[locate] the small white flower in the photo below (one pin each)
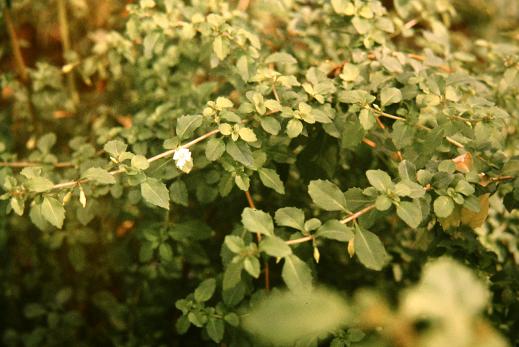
(183, 159)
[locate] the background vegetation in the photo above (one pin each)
(263, 172)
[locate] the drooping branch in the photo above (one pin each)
(22, 164)
(348, 219)
(165, 154)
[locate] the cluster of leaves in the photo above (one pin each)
(373, 137)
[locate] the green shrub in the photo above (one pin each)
(268, 172)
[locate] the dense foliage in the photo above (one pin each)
(263, 172)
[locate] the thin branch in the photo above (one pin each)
(150, 160)
(251, 203)
(15, 45)
(300, 240)
(384, 114)
(369, 142)
(22, 164)
(65, 40)
(344, 221)
(357, 214)
(501, 178)
(454, 142)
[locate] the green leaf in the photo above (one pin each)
(220, 47)
(232, 275)
(46, 142)
(355, 199)
(39, 184)
(352, 134)
(53, 211)
(140, 162)
(343, 7)
(380, 180)
(443, 206)
(247, 134)
(410, 213)
(403, 134)
(290, 217)
(280, 57)
(285, 319)
(215, 328)
(257, 221)
(370, 250)
(409, 188)
(251, 264)
(243, 68)
(275, 247)
(33, 310)
(178, 193)
(186, 125)
(448, 292)
(205, 290)
(327, 195)
(155, 192)
(407, 170)
(296, 274)
(335, 230)
(115, 148)
(240, 152)
(271, 179)
(390, 96)
(165, 253)
(270, 125)
(234, 243)
(223, 103)
(99, 175)
(214, 149)
(382, 203)
(294, 128)
(465, 188)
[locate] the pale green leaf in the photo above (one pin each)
(327, 195)
(275, 247)
(205, 290)
(443, 206)
(290, 217)
(379, 179)
(296, 274)
(214, 149)
(257, 221)
(285, 319)
(240, 152)
(370, 250)
(335, 230)
(271, 179)
(99, 175)
(39, 184)
(410, 213)
(220, 47)
(53, 211)
(390, 96)
(155, 192)
(186, 125)
(140, 162)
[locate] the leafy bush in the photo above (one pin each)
(269, 172)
